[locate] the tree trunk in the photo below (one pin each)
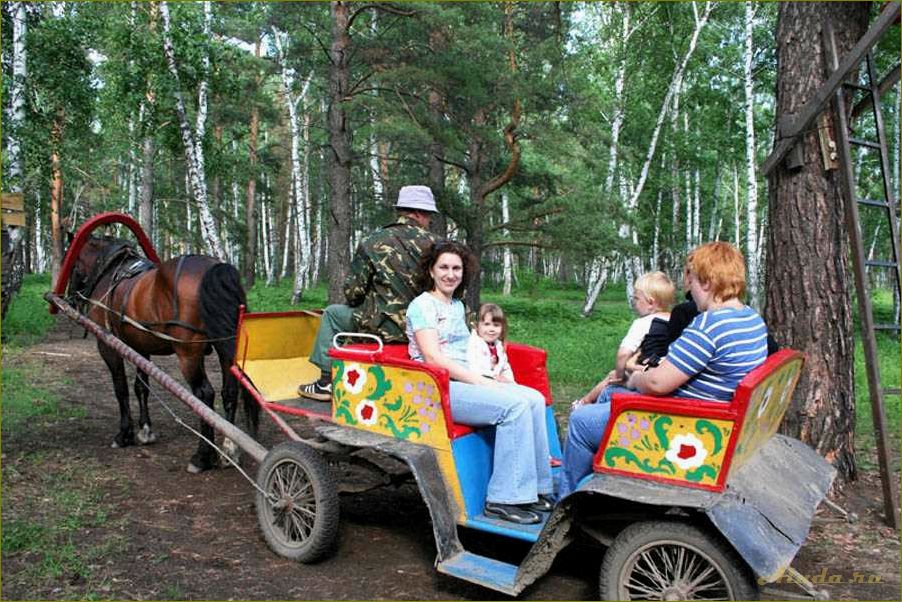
(339, 216)
(299, 171)
(56, 199)
(507, 271)
(751, 207)
(13, 235)
(250, 203)
(808, 306)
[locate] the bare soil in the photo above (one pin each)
(158, 532)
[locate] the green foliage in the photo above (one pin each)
(28, 318)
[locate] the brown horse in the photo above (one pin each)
(187, 306)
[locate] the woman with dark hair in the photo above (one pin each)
(520, 486)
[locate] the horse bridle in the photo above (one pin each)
(116, 255)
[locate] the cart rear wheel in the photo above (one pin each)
(661, 560)
(298, 513)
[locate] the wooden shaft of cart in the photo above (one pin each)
(207, 414)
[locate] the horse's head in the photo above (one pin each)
(96, 256)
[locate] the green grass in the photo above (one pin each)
(28, 318)
(46, 515)
(25, 402)
(889, 367)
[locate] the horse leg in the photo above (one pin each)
(142, 390)
(230, 405)
(126, 434)
(205, 457)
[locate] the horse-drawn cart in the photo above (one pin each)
(691, 499)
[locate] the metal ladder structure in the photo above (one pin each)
(863, 79)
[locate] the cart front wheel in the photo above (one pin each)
(661, 560)
(297, 503)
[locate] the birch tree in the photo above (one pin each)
(12, 276)
(299, 176)
(194, 154)
(635, 190)
(751, 206)
(507, 270)
(598, 271)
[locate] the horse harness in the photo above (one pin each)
(129, 264)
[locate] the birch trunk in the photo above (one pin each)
(751, 205)
(598, 277)
(299, 174)
(736, 208)
(697, 218)
(40, 260)
(598, 272)
(263, 234)
(16, 108)
(715, 219)
(12, 261)
(506, 253)
(194, 158)
(655, 262)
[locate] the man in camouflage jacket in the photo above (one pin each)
(379, 286)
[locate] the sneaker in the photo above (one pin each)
(321, 390)
(512, 513)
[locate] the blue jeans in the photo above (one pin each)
(521, 468)
(584, 433)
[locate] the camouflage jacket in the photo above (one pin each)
(380, 284)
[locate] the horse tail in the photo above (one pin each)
(221, 296)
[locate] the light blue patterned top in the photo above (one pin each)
(448, 319)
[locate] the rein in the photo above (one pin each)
(146, 326)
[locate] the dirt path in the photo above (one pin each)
(146, 529)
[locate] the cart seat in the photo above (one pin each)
(698, 443)
(527, 363)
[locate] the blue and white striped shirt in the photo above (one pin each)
(717, 350)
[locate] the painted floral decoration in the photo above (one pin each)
(367, 413)
(686, 451)
(354, 378)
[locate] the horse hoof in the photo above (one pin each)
(115, 445)
(232, 452)
(146, 436)
(193, 468)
